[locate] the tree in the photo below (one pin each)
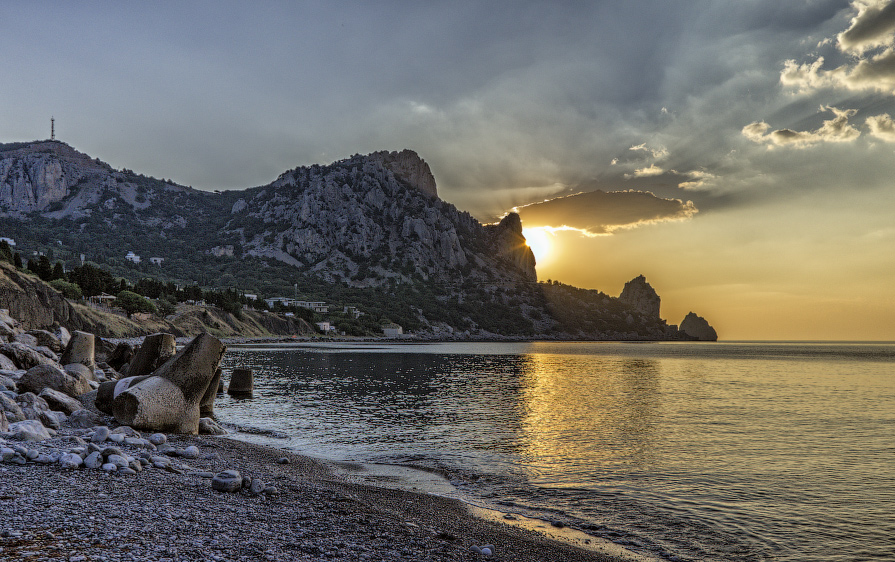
(58, 271)
(17, 260)
(5, 251)
(68, 290)
(132, 303)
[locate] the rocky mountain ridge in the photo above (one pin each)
(367, 231)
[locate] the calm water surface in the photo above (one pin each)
(723, 451)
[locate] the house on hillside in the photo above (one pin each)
(392, 330)
(155, 261)
(325, 327)
(9, 241)
(132, 257)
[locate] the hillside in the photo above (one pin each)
(367, 231)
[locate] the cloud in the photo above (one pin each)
(599, 212)
(872, 27)
(699, 179)
(658, 153)
(882, 127)
(837, 129)
(650, 171)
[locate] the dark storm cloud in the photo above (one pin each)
(599, 212)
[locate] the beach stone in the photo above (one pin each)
(486, 551)
(109, 451)
(116, 438)
(12, 409)
(82, 418)
(51, 419)
(31, 454)
(6, 382)
(29, 430)
(169, 399)
(49, 376)
(283, 460)
(26, 339)
(227, 481)
(71, 460)
(100, 434)
(59, 401)
(63, 334)
(208, 426)
(33, 402)
(271, 490)
(109, 467)
(7, 364)
(191, 452)
(158, 438)
(4, 423)
(43, 458)
(127, 431)
(80, 371)
(159, 461)
(93, 460)
(117, 460)
(127, 471)
(6, 454)
(256, 487)
(80, 349)
(241, 383)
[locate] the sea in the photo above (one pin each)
(678, 451)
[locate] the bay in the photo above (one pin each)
(686, 451)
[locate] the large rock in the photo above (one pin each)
(7, 364)
(79, 370)
(60, 402)
(28, 430)
(156, 349)
(4, 423)
(23, 356)
(698, 327)
(48, 376)
(640, 296)
(80, 349)
(168, 401)
(47, 339)
(13, 411)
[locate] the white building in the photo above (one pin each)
(132, 257)
(325, 327)
(392, 330)
(320, 307)
(156, 261)
(9, 241)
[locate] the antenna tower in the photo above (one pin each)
(52, 128)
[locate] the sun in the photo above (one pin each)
(540, 240)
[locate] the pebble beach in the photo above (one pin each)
(299, 509)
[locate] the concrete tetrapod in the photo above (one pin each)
(242, 383)
(169, 400)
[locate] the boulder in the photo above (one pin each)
(47, 339)
(33, 402)
(28, 430)
(168, 401)
(206, 405)
(120, 356)
(241, 383)
(80, 371)
(12, 410)
(4, 423)
(26, 339)
(49, 376)
(7, 383)
(108, 391)
(6, 364)
(698, 328)
(60, 402)
(227, 481)
(80, 349)
(23, 356)
(63, 334)
(82, 419)
(51, 419)
(156, 349)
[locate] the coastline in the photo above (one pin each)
(49, 512)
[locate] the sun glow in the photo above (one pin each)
(540, 240)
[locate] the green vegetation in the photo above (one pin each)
(132, 303)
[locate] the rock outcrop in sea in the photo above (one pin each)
(698, 328)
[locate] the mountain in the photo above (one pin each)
(367, 231)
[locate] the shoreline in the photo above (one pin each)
(49, 512)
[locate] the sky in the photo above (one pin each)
(739, 154)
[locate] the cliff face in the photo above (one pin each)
(509, 243)
(641, 297)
